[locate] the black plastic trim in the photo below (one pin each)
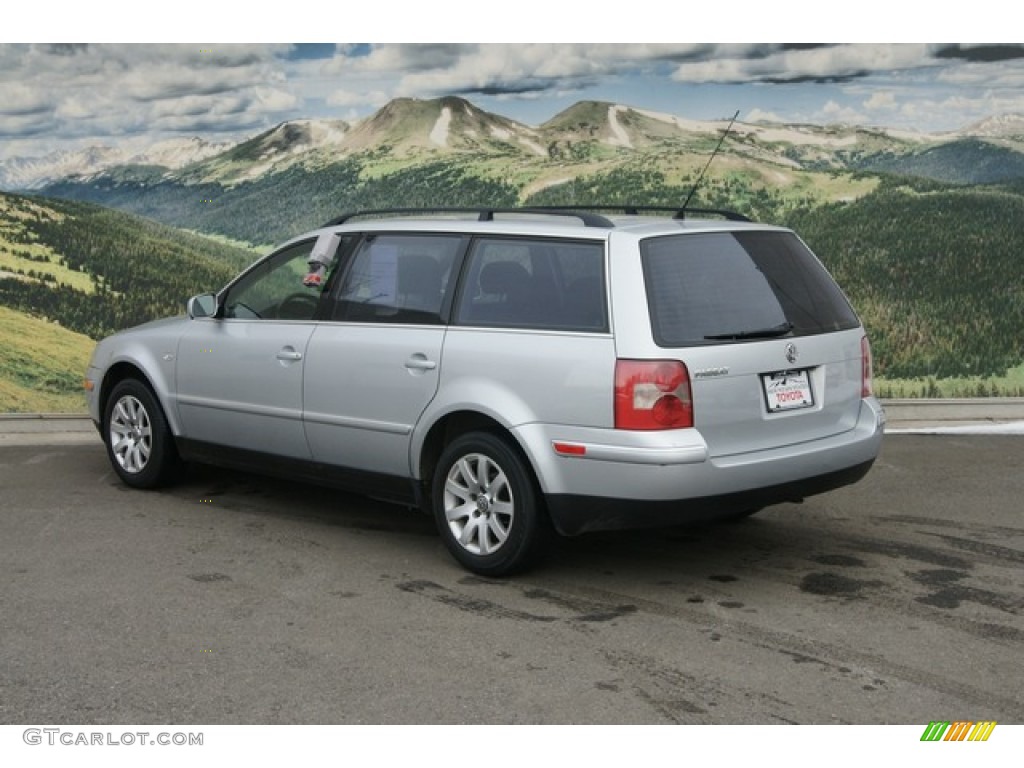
(483, 214)
(573, 514)
(392, 488)
(585, 213)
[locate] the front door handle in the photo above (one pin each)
(419, 362)
(288, 354)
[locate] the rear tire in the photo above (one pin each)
(139, 443)
(487, 506)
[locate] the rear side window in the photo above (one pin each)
(736, 286)
(534, 283)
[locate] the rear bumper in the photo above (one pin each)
(574, 514)
(668, 478)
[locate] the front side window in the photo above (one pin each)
(274, 289)
(535, 283)
(397, 278)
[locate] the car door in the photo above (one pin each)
(373, 367)
(239, 375)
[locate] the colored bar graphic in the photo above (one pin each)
(958, 730)
(982, 730)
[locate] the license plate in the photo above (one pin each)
(787, 390)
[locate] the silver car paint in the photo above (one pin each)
(365, 388)
(150, 348)
(239, 383)
(542, 386)
(729, 409)
(675, 465)
(519, 377)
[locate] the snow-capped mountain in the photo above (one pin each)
(408, 129)
(177, 153)
(997, 126)
(36, 172)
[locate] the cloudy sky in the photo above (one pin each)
(71, 95)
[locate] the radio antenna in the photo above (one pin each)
(728, 128)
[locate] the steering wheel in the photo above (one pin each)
(298, 306)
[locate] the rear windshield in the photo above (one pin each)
(737, 286)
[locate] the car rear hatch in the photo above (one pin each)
(773, 349)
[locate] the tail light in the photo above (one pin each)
(652, 394)
(867, 386)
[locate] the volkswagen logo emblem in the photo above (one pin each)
(791, 353)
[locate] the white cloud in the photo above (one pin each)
(346, 98)
(1008, 74)
(18, 99)
(426, 70)
(881, 101)
(833, 112)
(760, 115)
(80, 92)
(825, 63)
(76, 93)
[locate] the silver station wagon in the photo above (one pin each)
(512, 372)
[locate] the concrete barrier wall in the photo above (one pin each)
(993, 409)
(899, 412)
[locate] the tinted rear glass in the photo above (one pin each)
(730, 286)
(534, 283)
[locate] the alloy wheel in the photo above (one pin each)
(131, 434)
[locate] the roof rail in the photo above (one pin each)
(485, 214)
(585, 213)
(679, 213)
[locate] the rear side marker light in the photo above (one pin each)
(570, 449)
(652, 395)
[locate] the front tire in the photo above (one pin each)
(487, 506)
(139, 443)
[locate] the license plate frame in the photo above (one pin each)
(788, 390)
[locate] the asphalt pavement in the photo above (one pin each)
(233, 598)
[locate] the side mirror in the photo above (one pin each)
(203, 305)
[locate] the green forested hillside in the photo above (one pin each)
(968, 161)
(296, 200)
(935, 272)
(934, 269)
(95, 270)
(932, 266)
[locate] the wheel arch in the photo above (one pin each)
(451, 426)
(126, 369)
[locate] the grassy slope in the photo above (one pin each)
(33, 260)
(41, 365)
(1009, 385)
(901, 253)
(70, 269)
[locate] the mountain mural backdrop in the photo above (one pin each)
(923, 231)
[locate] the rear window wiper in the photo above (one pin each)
(760, 333)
